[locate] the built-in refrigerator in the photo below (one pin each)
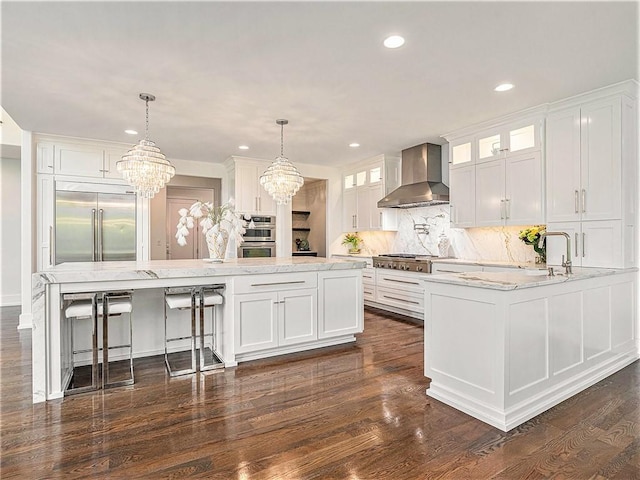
(94, 223)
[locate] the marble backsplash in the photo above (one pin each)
(420, 230)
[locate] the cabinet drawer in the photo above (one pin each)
(400, 299)
(454, 268)
(275, 281)
(411, 282)
(368, 276)
(369, 292)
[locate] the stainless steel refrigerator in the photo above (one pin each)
(94, 223)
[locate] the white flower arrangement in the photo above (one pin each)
(222, 219)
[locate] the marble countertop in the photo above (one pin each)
(74, 272)
(521, 279)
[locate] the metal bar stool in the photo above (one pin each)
(91, 306)
(193, 298)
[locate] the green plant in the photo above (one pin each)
(352, 240)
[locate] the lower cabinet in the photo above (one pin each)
(275, 313)
(340, 311)
(400, 292)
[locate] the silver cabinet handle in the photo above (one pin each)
(276, 283)
(584, 200)
(259, 204)
(255, 203)
(100, 220)
(93, 234)
(399, 281)
(380, 219)
(502, 209)
(576, 241)
(584, 244)
(401, 299)
(50, 244)
(445, 271)
(576, 201)
(507, 208)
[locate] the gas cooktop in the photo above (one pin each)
(404, 261)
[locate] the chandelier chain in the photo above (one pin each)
(146, 127)
(282, 140)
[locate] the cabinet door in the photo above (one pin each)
(601, 244)
(381, 218)
(111, 158)
(557, 246)
(349, 210)
(46, 215)
(601, 161)
(463, 196)
(44, 157)
(339, 311)
(523, 189)
(246, 188)
(297, 316)
(256, 326)
(266, 203)
(490, 204)
(563, 166)
(462, 153)
(363, 209)
(79, 160)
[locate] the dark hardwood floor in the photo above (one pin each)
(349, 412)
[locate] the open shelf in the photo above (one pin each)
(301, 212)
(301, 229)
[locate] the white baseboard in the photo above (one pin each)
(11, 300)
(26, 321)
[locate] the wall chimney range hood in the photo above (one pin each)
(421, 179)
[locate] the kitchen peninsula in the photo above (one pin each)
(504, 347)
(327, 307)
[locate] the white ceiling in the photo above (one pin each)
(224, 72)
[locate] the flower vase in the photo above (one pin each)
(354, 251)
(542, 253)
(217, 244)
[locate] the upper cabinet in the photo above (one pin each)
(584, 161)
(94, 160)
(250, 196)
(496, 173)
(363, 184)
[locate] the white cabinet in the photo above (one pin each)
(250, 196)
(463, 196)
(339, 311)
(496, 173)
(46, 219)
(593, 244)
(94, 160)
(274, 310)
(256, 325)
(369, 284)
(509, 191)
(401, 290)
(584, 162)
(362, 186)
(592, 161)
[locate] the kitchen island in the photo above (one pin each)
(272, 306)
(505, 347)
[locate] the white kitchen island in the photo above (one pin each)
(504, 347)
(272, 306)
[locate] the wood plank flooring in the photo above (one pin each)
(347, 412)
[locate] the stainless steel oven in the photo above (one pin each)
(261, 229)
(257, 249)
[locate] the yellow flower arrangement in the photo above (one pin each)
(531, 236)
(353, 241)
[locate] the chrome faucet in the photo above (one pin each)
(566, 264)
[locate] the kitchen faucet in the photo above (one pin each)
(566, 264)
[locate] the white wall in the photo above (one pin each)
(10, 233)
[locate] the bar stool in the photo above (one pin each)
(193, 298)
(93, 305)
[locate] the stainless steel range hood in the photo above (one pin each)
(421, 179)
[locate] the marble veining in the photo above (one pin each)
(520, 279)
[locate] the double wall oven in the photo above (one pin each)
(259, 238)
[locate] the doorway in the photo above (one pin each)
(177, 199)
(309, 219)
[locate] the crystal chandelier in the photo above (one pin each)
(144, 166)
(282, 179)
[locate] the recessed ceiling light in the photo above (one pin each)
(244, 147)
(394, 41)
(354, 145)
(131, 132)
(503, 87)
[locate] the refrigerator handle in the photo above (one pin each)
(93, 234)
(100, 219)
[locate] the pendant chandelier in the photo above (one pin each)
(282, 179)
(145, 167)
